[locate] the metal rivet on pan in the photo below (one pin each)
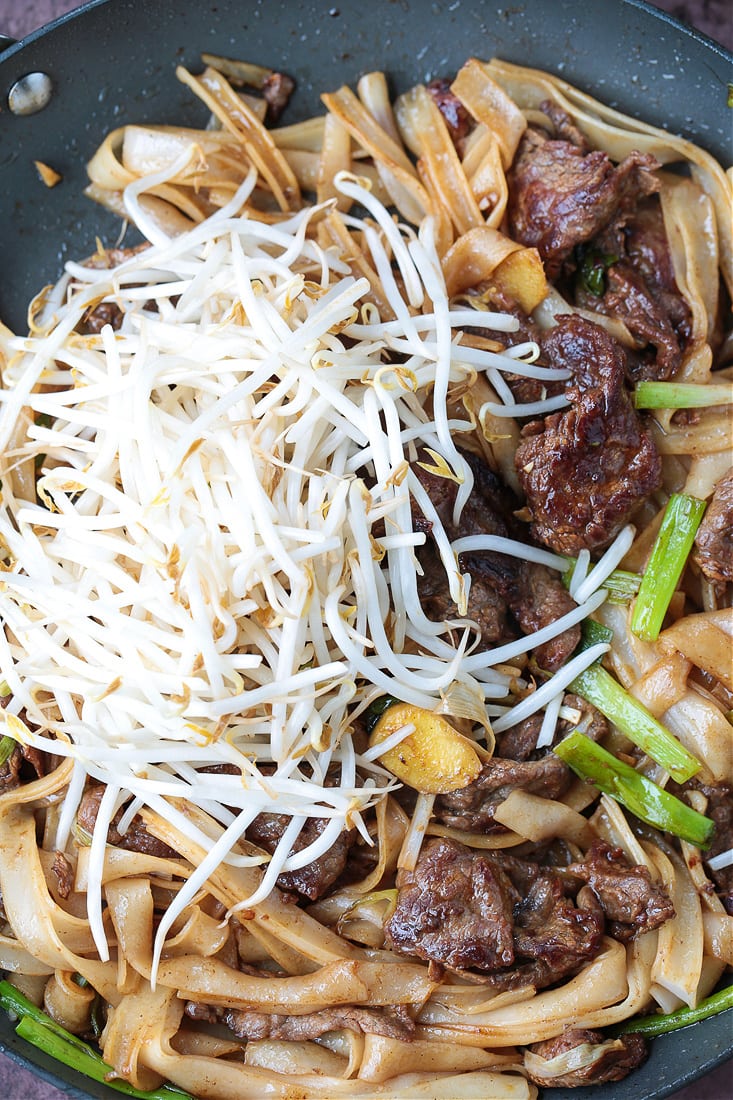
(30, 94)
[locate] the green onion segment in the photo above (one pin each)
(681, 395)
(46, 1035)
(622, 585)
(632, 718)
(644, 798)
(681, 1017)
(666, 563)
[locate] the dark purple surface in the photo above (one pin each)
(17, 18)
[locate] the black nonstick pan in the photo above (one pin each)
(114, 61)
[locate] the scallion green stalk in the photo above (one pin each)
(593, 633)
(682, 395)
(632, 718)
(7, 744)
(622, 585)
(666, 563)
(681, 1017)
(645, 798)
(44, 1033)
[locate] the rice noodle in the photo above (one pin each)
(213, 537)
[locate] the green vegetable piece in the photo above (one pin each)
(88, 1063)
(14, 1002)
(668, 559)
(376, 709)
(646, 799)
(659, 1023)
(593, 633)
(7, 744)
(44, 1033)
(592, 269)
(632, 718)
(681, 395)
(621, 584)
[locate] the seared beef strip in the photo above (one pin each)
(277, 90)
(63, 872)
(574, 204)
(714, 539)
(591, 722)
(22, 766)
(136, 839)
(560, 195)
(467, 910)
(534, 594)
(315, 878)
(631, 901)
(517, 765)
(647, 249)
(520, 741)
(394, 1023)
(10, 771)
(485, 606)
(455, 115)
(628, 298)
(455, 908)
(640, 290)
(94, 320)
(106, 313)
(472, 807)
(616, 1059)
(267, 829)
(556, 936)
(585, 470)
(563, 127)
(523, 389)
(720, 810)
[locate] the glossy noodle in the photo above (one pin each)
(394, 459)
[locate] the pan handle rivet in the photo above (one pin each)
(30, 94)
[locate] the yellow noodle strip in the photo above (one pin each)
(15, 958)
(335, 157)
(42, 926)
(239, 120)
(425, 132)
(489, 104)
(130, 904)
(295, 1058)
(705, 639)
(543, 819)
(385, 1057)
(120, 863)
(718, 936)
(601, 984)
(68, 1003)
(346, 981)
(662, 685)
(678, 963)
(620, 135)
(476, 840)
(339, 235)
(230, 885)
(139, 1020)
(395, 169)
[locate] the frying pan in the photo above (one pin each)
(114, 60)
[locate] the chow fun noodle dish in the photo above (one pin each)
(365, 535)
